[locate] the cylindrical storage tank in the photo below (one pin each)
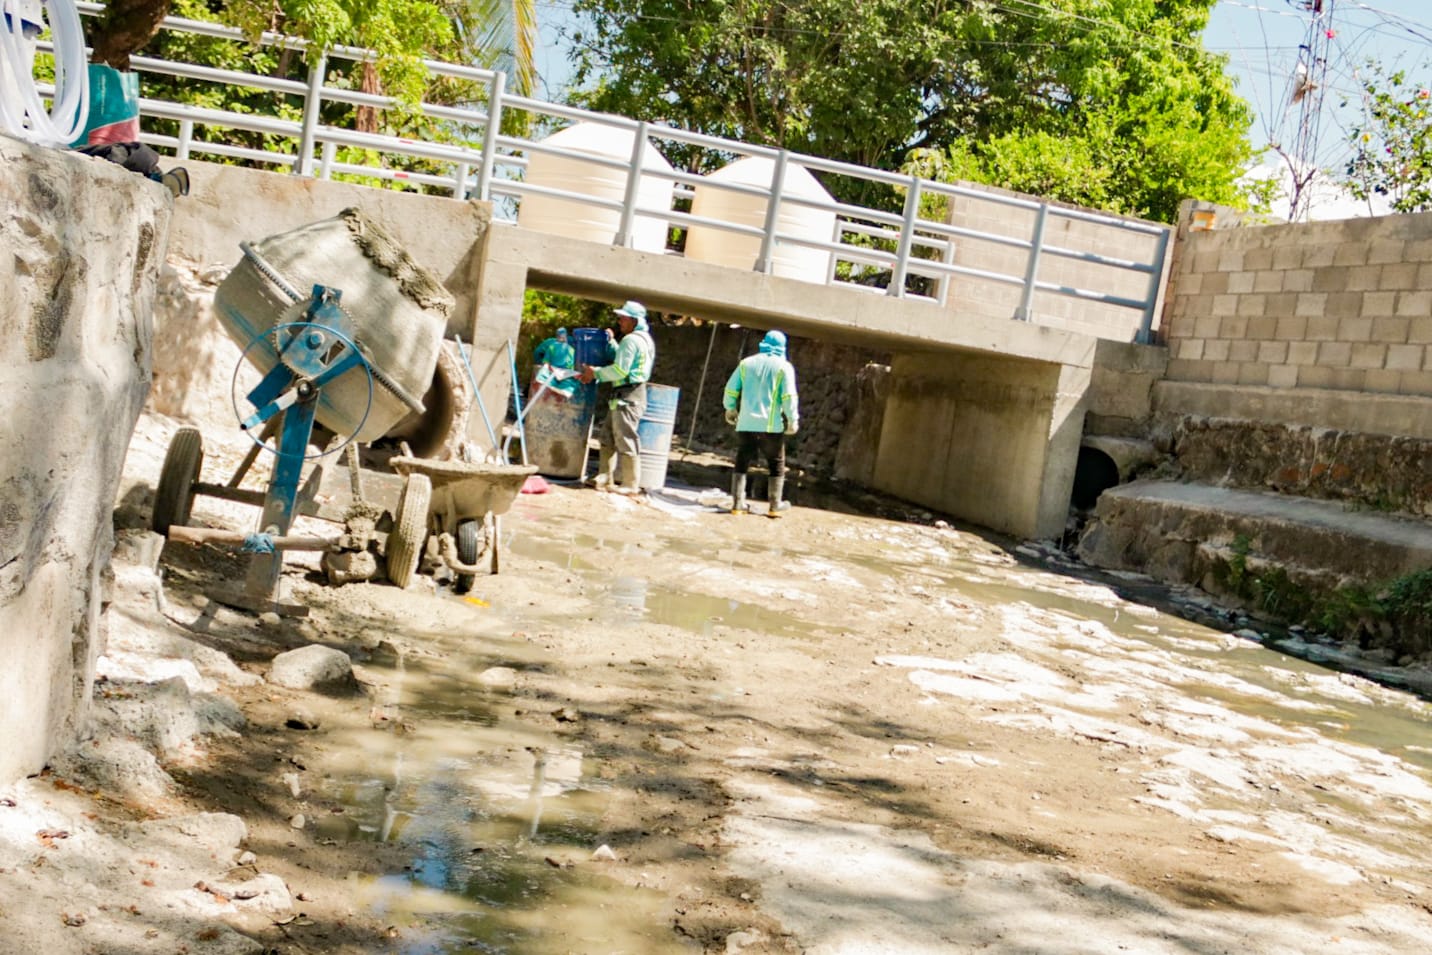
(557, 430)
(653, 434)
(713, 201)
(589, 346)
(581, 220)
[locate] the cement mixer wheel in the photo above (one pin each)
(469, 546)
(410, 529)
(174, 498)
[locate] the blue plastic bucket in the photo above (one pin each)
(557, 429)
(654, 432)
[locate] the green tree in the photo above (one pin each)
(1392, 147)
(1110, 102)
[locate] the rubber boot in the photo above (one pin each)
(778, 486)
(628, 474)
(602, 480)
(738, 493)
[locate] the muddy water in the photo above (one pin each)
(501, 819)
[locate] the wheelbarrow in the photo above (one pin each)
(451, 510)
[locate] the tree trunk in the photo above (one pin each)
(365, 119)
(124, 28)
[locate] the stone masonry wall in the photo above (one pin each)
(1345, 306)
(85, 240)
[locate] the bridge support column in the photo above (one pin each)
(988, 439)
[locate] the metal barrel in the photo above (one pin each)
(557, 429)
(654, 433)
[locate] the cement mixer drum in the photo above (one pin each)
(399, 312)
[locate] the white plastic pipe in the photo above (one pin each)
(22, 110)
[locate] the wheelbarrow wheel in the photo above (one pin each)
(469, 546)
(410, 529)
(174, 498)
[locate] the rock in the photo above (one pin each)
(738, 942)
(297, 821)
(314, 667)
(502, 677)
(270, 621)
(604, 853)
(350, 566)
(902, 750)
(247, 858)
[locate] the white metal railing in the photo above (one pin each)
(893, 250)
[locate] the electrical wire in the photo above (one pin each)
(22, 111)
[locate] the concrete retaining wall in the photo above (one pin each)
(86, 239)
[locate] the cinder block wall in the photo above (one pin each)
(986, 297)
(1345, 306)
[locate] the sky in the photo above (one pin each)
(1261, 39)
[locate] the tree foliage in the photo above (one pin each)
(1392, 147)
(1106, 102)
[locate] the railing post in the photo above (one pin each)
(1031, 269)
(186, 136)
(325, 166)
(489, 136)
(459, 183)
(626, 235)
(907, 238)
(765, 258)
(311, 103)
(1146, 325)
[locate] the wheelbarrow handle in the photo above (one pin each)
(212, 535)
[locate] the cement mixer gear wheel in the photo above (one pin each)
(174, 497)
(270, 339)
(410, 529)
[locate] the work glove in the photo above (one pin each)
(732, 416)
(791, 426)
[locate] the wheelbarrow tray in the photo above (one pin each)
(462, 490)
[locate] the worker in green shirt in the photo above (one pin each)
(628, 369)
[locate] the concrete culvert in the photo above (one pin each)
(1095, 473)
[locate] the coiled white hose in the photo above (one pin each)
(22, 111)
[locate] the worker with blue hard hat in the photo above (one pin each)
(628, 369)
(762, 404)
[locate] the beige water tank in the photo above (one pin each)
(713, 201)
(581, 220)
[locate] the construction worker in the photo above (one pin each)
(549, 360)
(628, 370)
(762, 404)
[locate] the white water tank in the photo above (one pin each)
(713, 201)
(580, 220)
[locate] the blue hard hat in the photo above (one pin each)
(562, 334)
(774, 343)
(634, 310)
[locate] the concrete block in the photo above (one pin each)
(1386, 250)
(1241, 350)
(1416, 382)
(1382, 381)
(1283, 376)
(1291, 328)
(1319, 256)
(1406, 357)
(1364, 278)
(1344, 304)
(1272, 353)
(1391, 331)
(1399, 275)
(1418, 250)
(1379, 302)
(1252, 305)
(1350, 254)
(1257, 260)
(1219, 283)
(1356, 329)
(1233, 327)
(1224, 373)
(1419, 330)
(1334, 354)
(1225, 304)
(1252, 373)
(1368, 355)
(1298, 280)
(1270, 280)
(1282, 303)
(1262, 328)
(1230, 260)
(1287, 256)
(1315, 376)
(1183, 369)
(1303, 353)
(1414, 304)
(1312, 303)
(1322, 328)
(1206, 326)
(1191, 349)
